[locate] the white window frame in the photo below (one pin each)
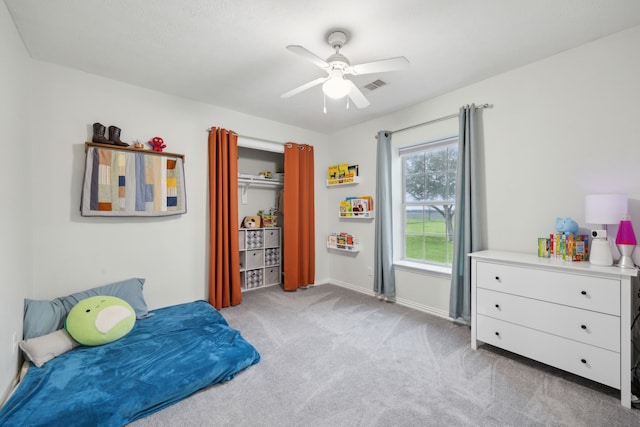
(407, 151)
(437, 136)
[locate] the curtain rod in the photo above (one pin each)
(439, 119)
(253, 137)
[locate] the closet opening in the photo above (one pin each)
(260, 213)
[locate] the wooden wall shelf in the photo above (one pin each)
(88, 144)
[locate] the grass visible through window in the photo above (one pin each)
(426, 241)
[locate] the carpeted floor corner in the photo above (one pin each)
(335, 357)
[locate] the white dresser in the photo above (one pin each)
(570, 315)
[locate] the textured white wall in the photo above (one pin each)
(560, 128)
(72, 252)
(15, 214)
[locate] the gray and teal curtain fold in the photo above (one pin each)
(384, 284)
(466, 222)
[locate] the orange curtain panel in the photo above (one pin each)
(299, 224)
(224, 258)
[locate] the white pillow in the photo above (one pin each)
(41, 349)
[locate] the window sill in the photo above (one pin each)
(427, 269)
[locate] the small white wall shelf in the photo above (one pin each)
(343, 181)
(356, 215)
(356, 208)
(343, 174)
(346, 248)
(343, 242)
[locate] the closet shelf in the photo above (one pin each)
(248, 182)
(245, 183)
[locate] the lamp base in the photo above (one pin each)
(600, 253)
(626, 261)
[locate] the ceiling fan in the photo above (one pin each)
(337, 66)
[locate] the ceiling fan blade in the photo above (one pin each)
(357, 97)
(311, 57)
(304, 87)
(382, 66)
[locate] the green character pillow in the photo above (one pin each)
(100, 320)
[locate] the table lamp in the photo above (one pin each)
(626, 242)
(603, 209)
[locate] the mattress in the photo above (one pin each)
(165, 358)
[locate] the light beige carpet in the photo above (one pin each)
(335, 357)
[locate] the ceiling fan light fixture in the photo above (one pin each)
(336, 87)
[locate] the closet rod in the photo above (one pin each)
(253, 137)
(439, 119)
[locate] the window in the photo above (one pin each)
(428, 201)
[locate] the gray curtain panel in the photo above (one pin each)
(466, 221)
(384, 284)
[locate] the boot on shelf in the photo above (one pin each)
(98, 134)
(114, 136)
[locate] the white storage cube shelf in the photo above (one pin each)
(260, 257)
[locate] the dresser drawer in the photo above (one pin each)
(588, 292)
(589, 327)
(581, 359)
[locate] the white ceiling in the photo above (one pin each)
(231, 53)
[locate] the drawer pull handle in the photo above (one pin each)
(583, 292)
(498, 306)
(583, 327)
(584, 361)
(498, 278)
(497, 334)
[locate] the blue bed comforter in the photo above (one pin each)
(164, 359)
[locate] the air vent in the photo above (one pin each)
(375, 84)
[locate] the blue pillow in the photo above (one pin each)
(42, 317)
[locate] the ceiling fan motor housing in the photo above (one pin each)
(338, 62)
(337, 39)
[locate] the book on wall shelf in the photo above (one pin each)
(343, 174)
(356, 207)
(343, 241)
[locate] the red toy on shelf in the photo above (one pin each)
(157, 144)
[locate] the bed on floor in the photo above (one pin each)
(169, 354)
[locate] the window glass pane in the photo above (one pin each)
(415, 188)
(452, 171)
(429, 233)
(414, 177)
(414, 233)
(440, 172)
(429, 187)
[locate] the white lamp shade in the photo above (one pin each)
(605, 208)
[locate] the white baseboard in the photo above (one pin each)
(401, 301)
